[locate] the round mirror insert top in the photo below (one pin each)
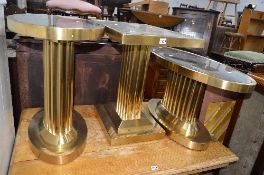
(54, 27)
(205, 70)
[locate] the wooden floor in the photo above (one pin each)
(156, 157)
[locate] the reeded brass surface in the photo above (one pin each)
(180, 107)
(132, 76)
(57, 136)
(53, 27)
(126, 122)
(204, 70)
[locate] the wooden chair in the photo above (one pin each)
(223, 14)
(232, 38)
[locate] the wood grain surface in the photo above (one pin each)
(156, 157)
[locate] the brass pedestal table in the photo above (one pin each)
(58, 133)
(188, 76)
(128, 120)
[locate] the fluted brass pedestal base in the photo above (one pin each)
(57, 149)
(192, 135)
(121, 132)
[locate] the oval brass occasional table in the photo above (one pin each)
(128, 120)
(188, 76)
(57, 134)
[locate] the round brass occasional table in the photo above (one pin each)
(188, 76)
(57, 134)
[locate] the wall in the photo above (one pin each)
(204, 3)
(7, 132)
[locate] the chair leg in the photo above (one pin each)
(230, 43)
(222, 44)
(207, 8)
(236, 16)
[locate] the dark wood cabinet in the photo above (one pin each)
(198, 23)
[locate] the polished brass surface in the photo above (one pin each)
(120, 132)
(57, 136)
(183, 97)
(58, 85)
(217, 118)
(54, 27)
(132, 76)
(178, 111)
(57, 148)
(188, 76)
(125, 121)
(192, 135)
(204, 70)
(143, 34)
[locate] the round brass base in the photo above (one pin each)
(192, 135)
(57, 149)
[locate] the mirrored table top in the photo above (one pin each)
(134, 33)
(205, 70)
(56, 27)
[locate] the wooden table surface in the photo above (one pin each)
(259, 77)
(155, 157)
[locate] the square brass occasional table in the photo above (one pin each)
(188, 76)
(128, 120)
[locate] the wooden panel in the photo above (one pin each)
(99, 157)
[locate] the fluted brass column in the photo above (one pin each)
(130, 90)
(183, 97)
(179, 109)
(58, 134)
(127, 121)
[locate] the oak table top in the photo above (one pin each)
(155, 157)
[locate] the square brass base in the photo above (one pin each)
(121, 132)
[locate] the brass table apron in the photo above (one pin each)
(128, 120)
(58, 133)
(188, 75)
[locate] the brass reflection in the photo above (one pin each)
(179, 109)
(128, 120)
(58, 134)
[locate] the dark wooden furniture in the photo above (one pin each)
(198, 23)
(223, 14)
(250, 32)
(96, 74)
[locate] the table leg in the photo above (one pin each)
(58, 133)
(128, 121)
(179, 110)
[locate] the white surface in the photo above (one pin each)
(7, 132)
(22, 4)
(204, 3)
(2, 2)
